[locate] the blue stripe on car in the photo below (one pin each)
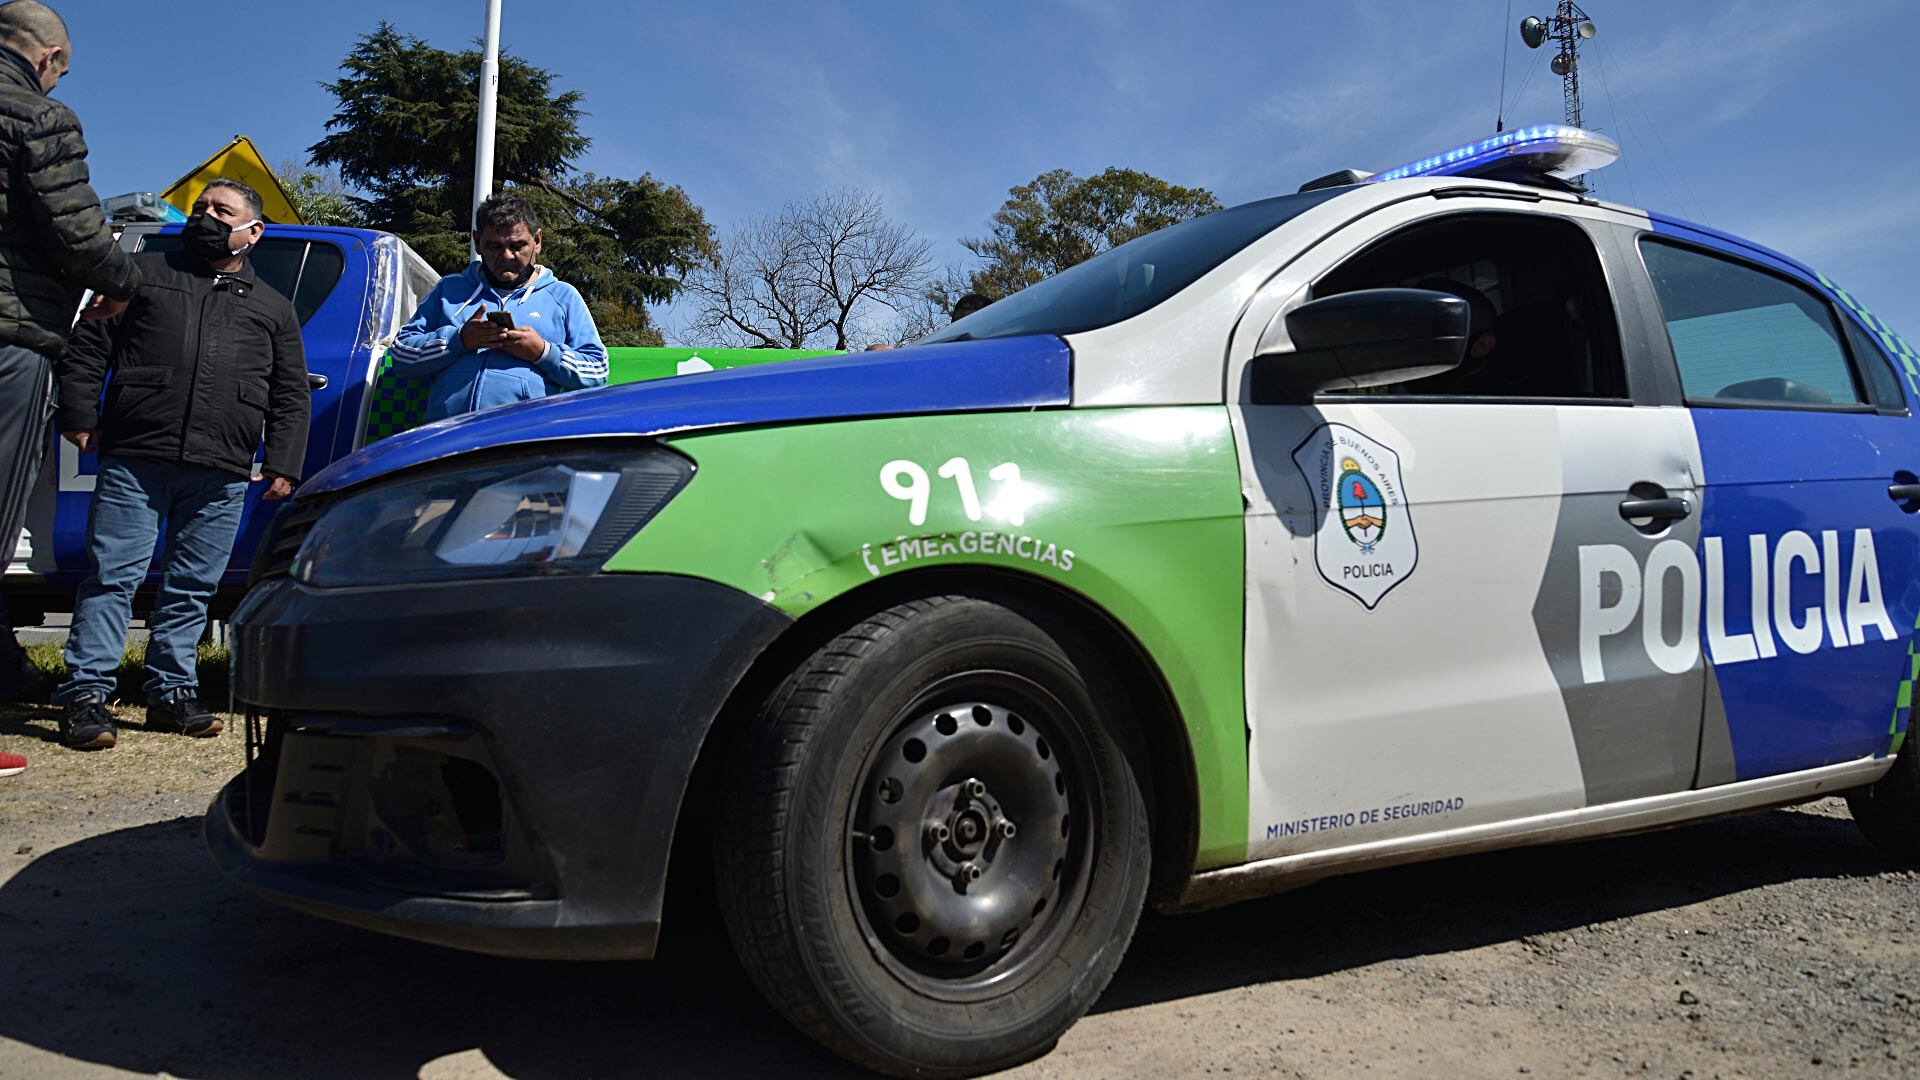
(1772, 471)
(966, 376)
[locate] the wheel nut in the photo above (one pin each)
(938, 832)
(976, 788)
(1007, 830)
(970, 872)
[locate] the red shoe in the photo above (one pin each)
(11, 764)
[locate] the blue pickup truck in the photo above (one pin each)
(352, 290)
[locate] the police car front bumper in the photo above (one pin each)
(494, 766)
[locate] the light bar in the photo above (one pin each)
(1547, 149)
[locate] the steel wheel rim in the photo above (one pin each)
(949, 899)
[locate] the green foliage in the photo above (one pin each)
(131, 676)
(625, 241)
(623, 326)
(1060, 219)
(406, 117)
(320, 197)
(403, 133)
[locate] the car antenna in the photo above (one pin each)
(1506, 46)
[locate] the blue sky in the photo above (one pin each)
(1786, 121)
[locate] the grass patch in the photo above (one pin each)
(131, 675)
(147, 767)
(146, 770)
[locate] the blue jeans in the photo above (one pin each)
(133, 499)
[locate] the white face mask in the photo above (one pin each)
(207, 236)
(245, 225)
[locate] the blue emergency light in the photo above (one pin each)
(1544, 150)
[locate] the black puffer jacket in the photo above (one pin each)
(203, 363)
(53, 235)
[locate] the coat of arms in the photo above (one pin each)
(1364, 543)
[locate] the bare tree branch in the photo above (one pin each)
(814, 275)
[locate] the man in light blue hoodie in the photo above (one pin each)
(504, 329)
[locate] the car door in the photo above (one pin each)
(1810, 542)
(1450, 619)
(311, 268)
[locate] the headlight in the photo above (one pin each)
(560, 515)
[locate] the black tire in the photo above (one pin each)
(817, 882)
(1888, 811)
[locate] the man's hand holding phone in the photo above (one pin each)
(495, 330)
(523, 343)
(481, 332)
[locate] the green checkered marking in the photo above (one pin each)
(1903, 701)
(398, 403)
(1909, 361)
(1895, 345)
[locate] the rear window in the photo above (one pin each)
(303, 271)
(1119, 284)
(1741, 334)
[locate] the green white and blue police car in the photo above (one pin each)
(1424, 513)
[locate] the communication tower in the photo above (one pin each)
(1567, 27)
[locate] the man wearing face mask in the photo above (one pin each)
(204, 362)
(54, 245)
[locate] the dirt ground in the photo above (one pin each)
(1776, 944)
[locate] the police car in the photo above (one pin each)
(1414, 514)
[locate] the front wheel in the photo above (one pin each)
(1888, 811)
(931, 851)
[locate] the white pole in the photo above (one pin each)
(489, 98)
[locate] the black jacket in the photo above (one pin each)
(53, 235)
(202, 363)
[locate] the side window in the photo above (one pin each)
(302, 272)
(1743, 335)
(277, 263)
(325, 263)
(1543, 320)
(1883, 385)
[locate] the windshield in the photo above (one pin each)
(1133, 277)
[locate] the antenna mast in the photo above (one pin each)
(1566, 28)
(1567, 22)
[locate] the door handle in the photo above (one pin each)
(1903, 492)
(316, 382)
(1658, 509)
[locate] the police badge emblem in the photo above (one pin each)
(1364, 543)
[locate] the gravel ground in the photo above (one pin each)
(1775, 944)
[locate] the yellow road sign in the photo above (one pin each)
(238, 160)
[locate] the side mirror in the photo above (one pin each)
(1365, 338)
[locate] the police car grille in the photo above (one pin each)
(289, 531)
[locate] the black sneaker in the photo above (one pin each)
(87, 725)
(180, 713)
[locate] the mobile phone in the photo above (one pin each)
(501, 319)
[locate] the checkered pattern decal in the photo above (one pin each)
(1903, 705)
(396, 404)
(1909, 361)
(1895, 345)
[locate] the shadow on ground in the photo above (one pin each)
(129, 950)
(35, 721)
(1481, 900)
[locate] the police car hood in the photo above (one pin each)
(963, 376)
